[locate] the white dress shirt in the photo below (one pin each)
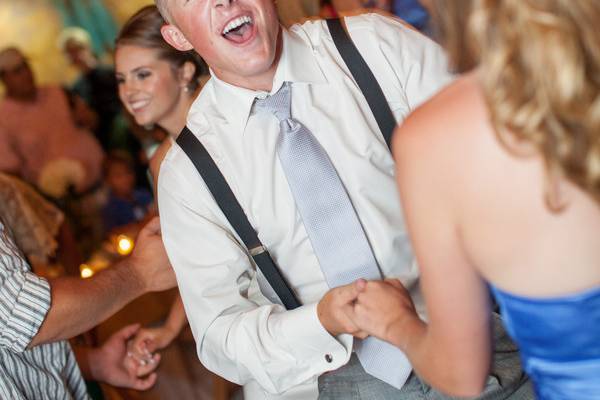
(240, 334)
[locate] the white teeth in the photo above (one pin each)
(236, 23)
(136, 105)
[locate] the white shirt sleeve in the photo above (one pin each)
(419, 64)
(239, 334)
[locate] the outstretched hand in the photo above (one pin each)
(382, 306)
(111, 363)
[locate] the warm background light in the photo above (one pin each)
(86, 271)
(124, 245)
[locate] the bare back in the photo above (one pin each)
(496, 200)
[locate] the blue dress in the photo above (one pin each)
(412, 12)
(559, 342)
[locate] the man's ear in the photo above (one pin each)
(175, 37)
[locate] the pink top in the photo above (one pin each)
(35, 133)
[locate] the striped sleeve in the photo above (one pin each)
(24, 298)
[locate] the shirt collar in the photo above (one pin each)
(297, 65)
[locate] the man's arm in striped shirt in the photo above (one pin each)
(79, 305)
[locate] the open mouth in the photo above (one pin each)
(239, 30)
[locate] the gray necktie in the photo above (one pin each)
(332, 225)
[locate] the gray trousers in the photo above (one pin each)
(506, 379)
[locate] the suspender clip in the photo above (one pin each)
(257, 250)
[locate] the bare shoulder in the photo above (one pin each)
(157, 159)
(458, 105)
(445, 124)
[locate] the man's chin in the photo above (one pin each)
(256, 64)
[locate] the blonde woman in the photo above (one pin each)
(500, 181)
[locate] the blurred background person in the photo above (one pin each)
(499, 176)
(36, 126)
(41, 142)
(126, 204)
(96, 84)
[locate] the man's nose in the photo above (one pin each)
(222, 3)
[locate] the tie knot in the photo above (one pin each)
(278, 104)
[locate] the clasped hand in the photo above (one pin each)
(365, 308)
(147, 341)
(113, 364)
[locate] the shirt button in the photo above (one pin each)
(328, 358)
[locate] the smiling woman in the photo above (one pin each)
(157, 85)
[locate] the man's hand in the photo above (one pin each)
(335, 311)
(112, 364)
(149, 259)
(382, 307)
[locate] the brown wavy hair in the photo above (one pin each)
(540, 72)
(143, 30)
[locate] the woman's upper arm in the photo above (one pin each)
(429, 177)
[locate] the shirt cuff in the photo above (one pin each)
(310, 342)
(30, 307)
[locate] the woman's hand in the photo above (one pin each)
(149, 340)
(382, 309)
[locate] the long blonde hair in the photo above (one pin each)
(540, 72)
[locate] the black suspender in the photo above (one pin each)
(234, 213)
(364, 79)
(227, 201)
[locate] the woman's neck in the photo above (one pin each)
(176, 120)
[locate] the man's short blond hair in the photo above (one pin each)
(163, 8)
